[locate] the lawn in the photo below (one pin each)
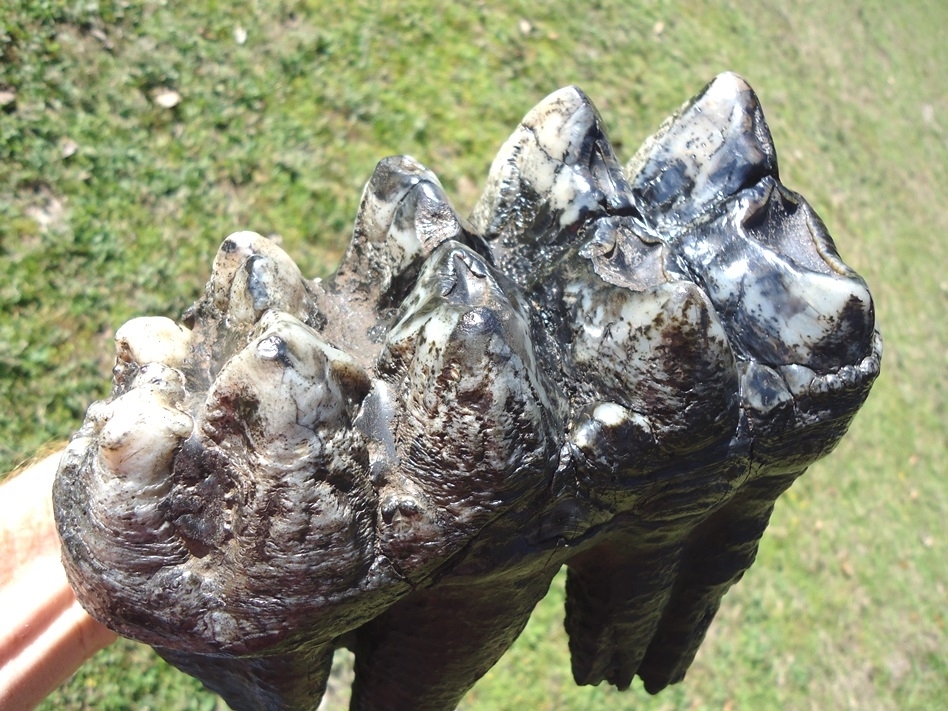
(134, 136)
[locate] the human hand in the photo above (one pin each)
(44, 634)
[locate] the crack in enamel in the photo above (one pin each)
(615, 371)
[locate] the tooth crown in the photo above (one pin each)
(614, 371)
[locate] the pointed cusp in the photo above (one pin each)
(714, 146)
(555, 171)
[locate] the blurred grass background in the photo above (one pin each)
(134, 136)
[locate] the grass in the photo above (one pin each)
(112, 205)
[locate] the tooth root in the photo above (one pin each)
(717, 554)
(426, 651)
(281, 682)
(615, 595)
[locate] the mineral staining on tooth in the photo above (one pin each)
(616, 371)
(715, 145)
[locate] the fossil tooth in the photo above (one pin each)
(718, 553)
(557, 169)
(714, 146)
(777, 309)
(615, 595)
(615, 372)
(149, 339)
(403, 217)
(479, 437)
(251, 275)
